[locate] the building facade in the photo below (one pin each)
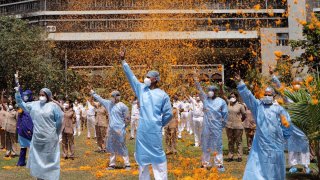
(235, 29)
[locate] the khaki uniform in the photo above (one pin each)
(9, 125)
(67, 133)
(171, 133)
(250, 128)
(102, 123)
(234, 129)
(2, 132)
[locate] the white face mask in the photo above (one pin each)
(42, 99)
(268, 100)
(25, 98)
(147, 82)
(10, 107)
(233, 100)
(210, 94)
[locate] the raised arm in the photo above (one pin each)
(274, 79)
(20, 102)
(2, 100)
(134, 82)
(104, 102)
(247, 96)
(166, 111)
(202, 94)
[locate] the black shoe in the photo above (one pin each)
(66, 157)
(229, 159)
(239, 160)
(131, 138)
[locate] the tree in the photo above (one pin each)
(24, 47)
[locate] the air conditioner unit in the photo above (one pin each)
(51, 29)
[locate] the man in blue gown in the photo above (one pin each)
(155, 113)
(266, 159)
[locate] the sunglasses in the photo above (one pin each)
(268, 95)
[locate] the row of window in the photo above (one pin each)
(20, 8)
(120, 25)
(178, 4)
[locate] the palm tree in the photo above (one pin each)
(305, 113)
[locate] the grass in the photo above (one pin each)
(91, 165)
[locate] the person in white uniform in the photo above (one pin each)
(77, 109)
(134, 118)
(197, 118)
(91, 118)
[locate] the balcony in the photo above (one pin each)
(8, 7)
(169, 24)
(156, 4)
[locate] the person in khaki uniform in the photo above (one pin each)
(67, 131)
(249, 127)
(102, 123)
(234, 127)
(2, 132)
(171, 133)
(9, 125)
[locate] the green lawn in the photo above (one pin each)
(91, 165)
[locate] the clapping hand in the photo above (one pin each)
(237, 77)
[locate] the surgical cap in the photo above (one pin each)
(154, 74)
(212, 88)
(47, 92)
(270, 89)
(115, 93)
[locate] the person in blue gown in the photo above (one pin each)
(119, 117)
(24, 125)
(155, 113)
(215, 118)
(298, 143)
(47, 116)
(266, 159)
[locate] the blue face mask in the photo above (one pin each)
(268, 100)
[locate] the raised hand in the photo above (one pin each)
(122, 53)
(237, 77)
(195, 76)
(270, 70)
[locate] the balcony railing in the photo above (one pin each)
(157, 4)
(145, 25)
(27, 6)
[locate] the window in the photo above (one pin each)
(282, 39)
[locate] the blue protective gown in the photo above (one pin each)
(266, 159)
(155, 113)
(44, 155)
(118, 113)
(215, 118)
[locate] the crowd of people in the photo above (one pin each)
(42, 122)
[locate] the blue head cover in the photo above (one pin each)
(47, 92)
(212, 88)
(115, 93)
(154, 74)
(270, 89)
(29, 94)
